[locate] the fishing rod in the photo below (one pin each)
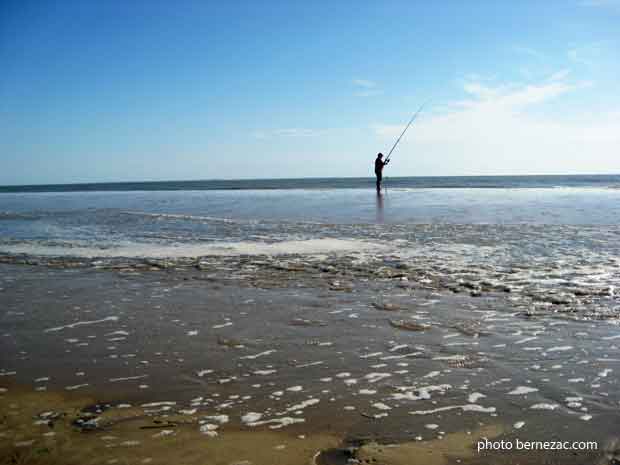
(405, 130)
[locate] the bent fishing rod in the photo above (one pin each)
(415, 115)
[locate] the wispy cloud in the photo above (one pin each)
(513, 96)
(365, 83)
(559, 75)
(600, 3)
(366, 88)
(498, 128)
(286, 132)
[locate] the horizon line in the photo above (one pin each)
(87, 183)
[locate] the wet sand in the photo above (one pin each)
(257, 360)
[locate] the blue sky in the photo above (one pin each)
(153, 90)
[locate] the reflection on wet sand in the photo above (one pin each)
(380, 217)
(285, 348)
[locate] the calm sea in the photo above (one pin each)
(335, 183)
(533, 216)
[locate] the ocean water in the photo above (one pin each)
(325, 215)
(335, 183)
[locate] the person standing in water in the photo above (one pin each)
(379, 164)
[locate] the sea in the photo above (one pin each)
(491, 222)
(197, 217)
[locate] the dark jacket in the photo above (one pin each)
(379, 164)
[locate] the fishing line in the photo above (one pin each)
(415, 115)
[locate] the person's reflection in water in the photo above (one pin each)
(380, 218)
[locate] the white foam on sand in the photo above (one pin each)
(544, 406)
(221, 419)
(474, 397)
(277, 423)
(128, 378)
(141, 250)
(559, 349)
(81, 323)
(251, 417)
(520, 390)
(374, 377)
(381, 406)
(419, 393)
(261, 354)
(465, 408)
(302, 405)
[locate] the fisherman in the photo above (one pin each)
(379, 164)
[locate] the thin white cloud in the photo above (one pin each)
(480, 91)
(532, 94)
(496, 131)
(513, 95)
(365, 83)
(501, 99)
(295, 132)
(599, 3)
(286, 132)
(559, 75)
(366, 88)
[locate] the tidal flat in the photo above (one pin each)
(327, 358)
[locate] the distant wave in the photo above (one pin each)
(185, 217)
(17, 216)
(142, 250)
(179, 216)
(428, 182)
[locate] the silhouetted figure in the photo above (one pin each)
(379, 164)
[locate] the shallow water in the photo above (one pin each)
(565, 241)
(191, 218)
